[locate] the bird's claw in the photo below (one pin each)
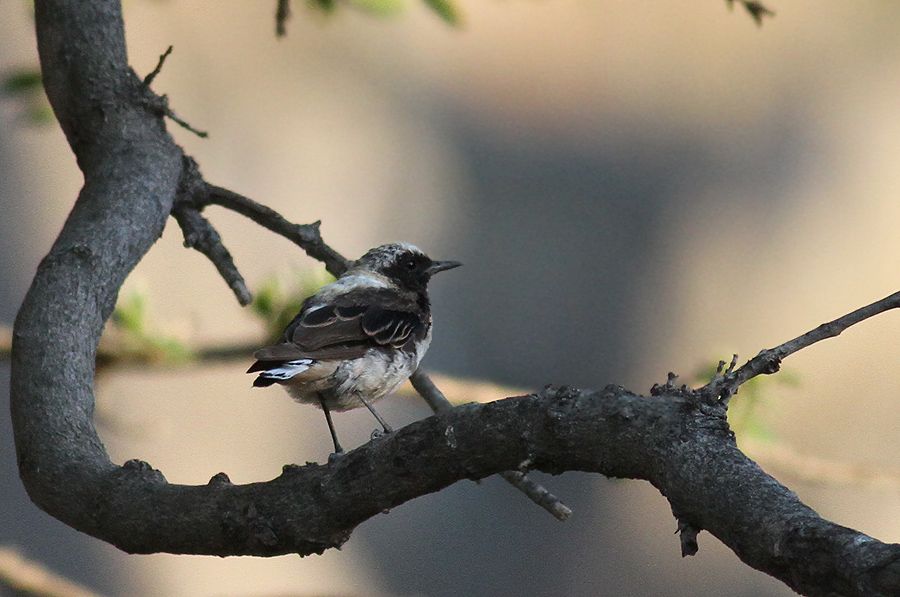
(376, 433)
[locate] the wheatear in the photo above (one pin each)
(358, 338)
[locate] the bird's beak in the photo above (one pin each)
(440, 266)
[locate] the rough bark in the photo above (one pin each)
(678, 440)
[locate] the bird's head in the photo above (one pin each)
(404, 264)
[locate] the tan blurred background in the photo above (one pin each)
(635, 187)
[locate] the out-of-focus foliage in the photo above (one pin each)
(130, 337)
(21, 81)
(748, 409)
(445, 9)
(277, 302)
(24, 86)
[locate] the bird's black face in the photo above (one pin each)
(405, 264)
(413, 270)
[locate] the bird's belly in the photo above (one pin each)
(374, 375)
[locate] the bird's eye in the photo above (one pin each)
(411, 264)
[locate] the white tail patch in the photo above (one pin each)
(287, 370)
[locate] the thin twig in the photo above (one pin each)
(755, 8)
(200, 234)
(306, 236)
(769, 360)
(282, 14)
(534, 491)
(148, 80)
(183, 123)
(159, 104)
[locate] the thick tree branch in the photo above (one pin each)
(535, 492)
(678, 440)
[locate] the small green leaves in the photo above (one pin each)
(21, 81)
(24, 86)
(325, 6)
(379, 8)
(131, 338)
(446, 9)
(130, 313)
(748, 414)
(277, 303)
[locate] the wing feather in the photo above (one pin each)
(346, 328)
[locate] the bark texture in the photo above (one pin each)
(134, 174)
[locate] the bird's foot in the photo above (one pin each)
(376, 433)
(335, 456)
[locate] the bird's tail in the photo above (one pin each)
(271, 372)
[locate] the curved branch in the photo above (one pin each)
(678, 440)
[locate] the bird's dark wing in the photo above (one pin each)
(348, 327)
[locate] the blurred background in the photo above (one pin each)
(635, 187)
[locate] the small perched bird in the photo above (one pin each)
(358, 338)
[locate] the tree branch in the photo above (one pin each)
(282, 14)
(200, 234)
(678, 440)
(535, 492)
(148, 80)
(305, 236)
(768, 361)
(756, 9)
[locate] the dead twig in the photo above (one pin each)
(768, 361)
(159, 104)
(754, 8)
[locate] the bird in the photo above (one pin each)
(355, 340)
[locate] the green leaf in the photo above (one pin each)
(325, 6)
(381, 8)
(39, 113)
(445, 9)
(277, 305)
(266, 298)
(169, 350)
(21, 82)
(130, 313)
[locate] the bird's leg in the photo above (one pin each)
(387, 428)
(337, 445)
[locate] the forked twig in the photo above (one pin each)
(768, 361)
